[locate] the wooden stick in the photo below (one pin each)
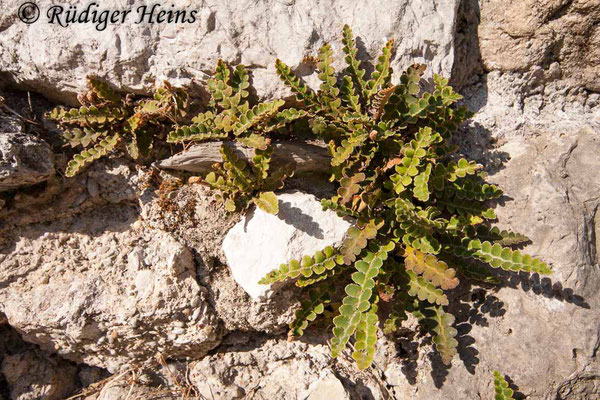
(306, 158)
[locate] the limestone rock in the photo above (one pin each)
(24, 160)
(32, 376)
(102, 290)
(278, 369)
(260, 242)
(541, 32)
(137, 56)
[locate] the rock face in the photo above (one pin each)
(99, 291)
(24, 160)
(137, 56)
(542, 32)
(31, 376)
(260, 242)
(277, 369)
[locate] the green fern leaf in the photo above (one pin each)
(366, 337)
(432, 269)
(505, 258)
(356, 240)
(256, 141)
(83, 137)
(382, 72)
(341, 210)
(289, 78)
(357, 301)
(421, 188)
(354, 70)
(311, 307)
(327, 74)
(349, 186)
(445, 334)
(323, 261)
(103, 90)
(88, 155)
(240, 81)
(501, 389)
(259, 115)
(425, 290)
(267, 201)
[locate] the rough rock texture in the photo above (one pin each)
(261, 242)
(136, 56)
(278, 369)
(32, 376)
(517, 35)
(98, 290)
(24, 160)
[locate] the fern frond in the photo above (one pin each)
(421, 187)
(87, 116)
(380, 100)
(341, 210)
(366, 337)
(256, 141)
(501, 389)
(413, 153)
(299, 88)
(329, 91)
(349, 186)
(311, 307)
(257, 116)
(195, 133)
(356, 73)
(432, 269)
(240, 81)
(357, 301)
(236, 169)
(445, 334)
(267, 201)
(507, 259)
(382, 72)
(349, 97)
(356, 240)
(88, 155)
(284, 117)
(321, 262)
(83, 137)
(424, 290)
(103, 90)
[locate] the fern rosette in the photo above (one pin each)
(422, 214)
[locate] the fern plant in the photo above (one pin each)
(108, 120)
(422, 214)
(240, 184)
(229, 116)
(501, 389)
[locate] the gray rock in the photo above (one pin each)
(137, 56)
(104, 291)
(261, 242)
(278, 369)
(24, 160)
(33, 376)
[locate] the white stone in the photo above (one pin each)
(261, 242)
(328, 388)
